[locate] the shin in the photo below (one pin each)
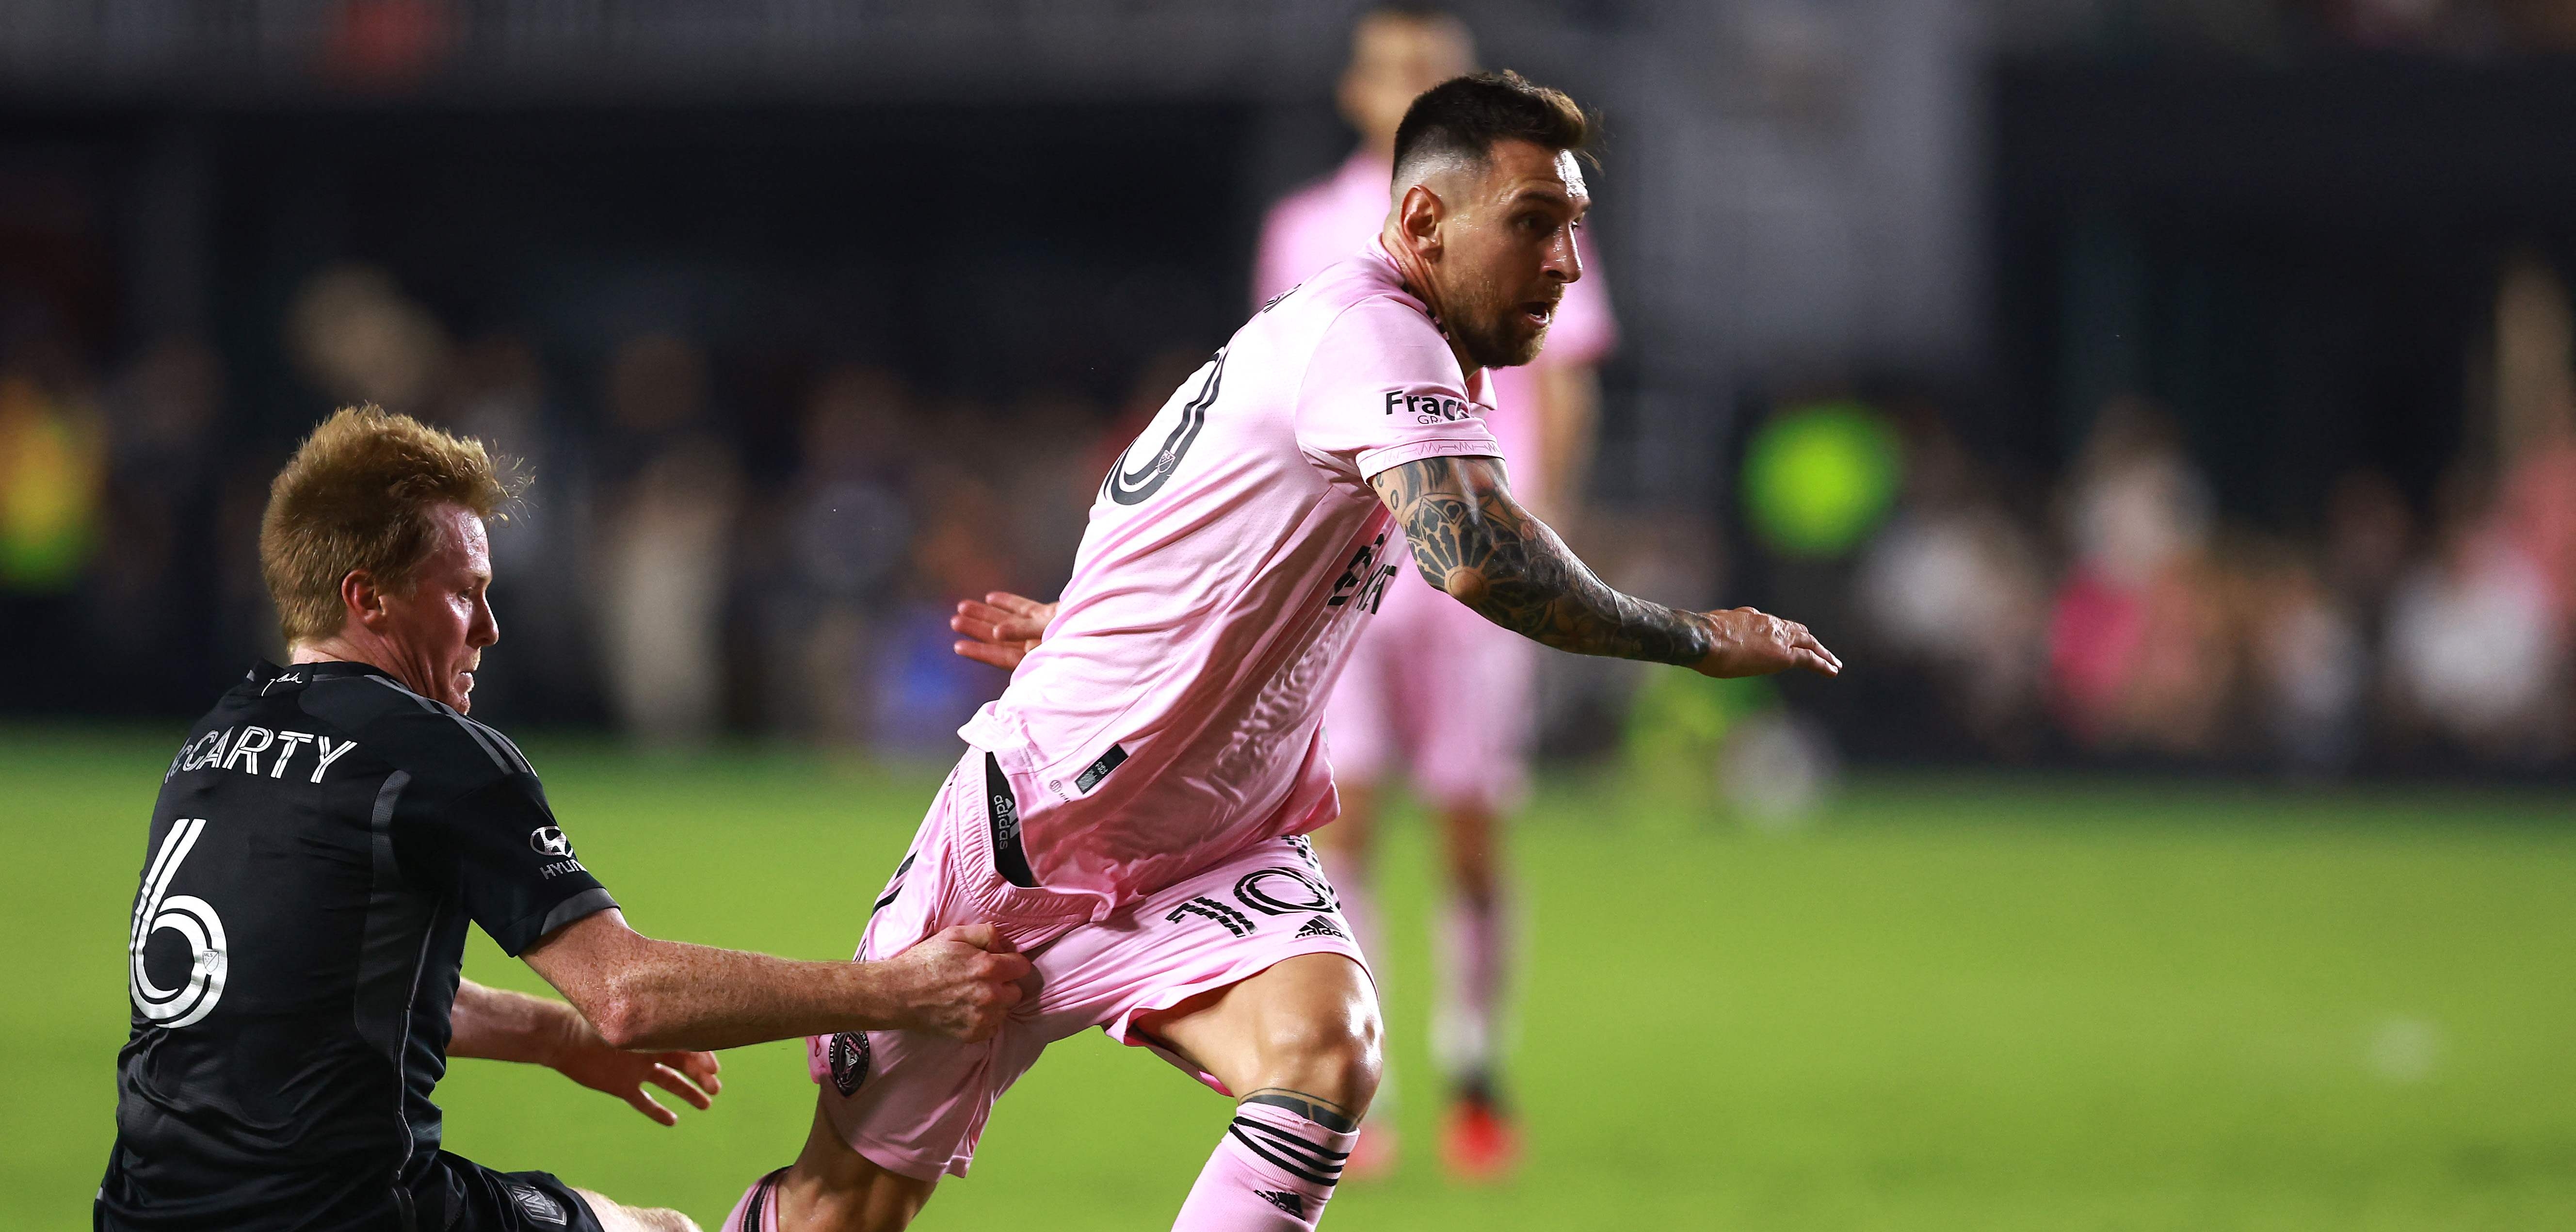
(1475, 942)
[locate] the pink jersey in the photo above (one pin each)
(1173, 715)
(1330, 219)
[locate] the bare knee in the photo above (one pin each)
(1308, 1024)
(1337, 1056)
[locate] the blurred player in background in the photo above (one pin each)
(1131, 812)
(1435, 688)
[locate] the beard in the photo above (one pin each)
(1496, 335)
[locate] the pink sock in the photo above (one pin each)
(758, 1210)
(1272, 1172)
(1475, 969)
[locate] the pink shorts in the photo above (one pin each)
(1438, 690)
(916, 1104)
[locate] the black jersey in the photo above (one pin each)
(320, 842)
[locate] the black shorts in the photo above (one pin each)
(472, 1198)
(455, 1194)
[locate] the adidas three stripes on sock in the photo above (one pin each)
(1273, 1170)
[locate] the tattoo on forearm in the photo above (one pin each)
(1472, 540)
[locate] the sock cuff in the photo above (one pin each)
(1302, 1109)
(1294, 1145)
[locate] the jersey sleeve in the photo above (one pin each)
(499, 847)
(1383, 389)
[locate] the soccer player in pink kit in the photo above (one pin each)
(1131, 812)
(1435, 689)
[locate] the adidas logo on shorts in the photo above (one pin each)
(1322, 926)
(1288, 1202)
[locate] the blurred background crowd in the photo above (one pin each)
(2154, 382)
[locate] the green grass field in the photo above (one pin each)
(1956, 1003)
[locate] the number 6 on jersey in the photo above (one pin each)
(190, 917)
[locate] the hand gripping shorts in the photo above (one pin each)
(916, 1104)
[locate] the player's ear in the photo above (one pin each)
(1418, 215)
(361, 598)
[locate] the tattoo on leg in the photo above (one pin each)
(1472, 540)
(1314, 1108)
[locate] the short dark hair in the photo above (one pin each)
(1464, 116)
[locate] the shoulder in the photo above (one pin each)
(1379, 334)
(1358, 296)
(433, 742)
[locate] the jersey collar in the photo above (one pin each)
(264, 671)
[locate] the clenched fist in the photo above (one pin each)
(960, 982)
(1750, 643)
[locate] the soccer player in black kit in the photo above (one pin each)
(321, 840)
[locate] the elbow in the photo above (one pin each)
(1468, 586)
(620, 1026)
(625, 1017)
(620, 1023)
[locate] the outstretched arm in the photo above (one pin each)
(638, 992)
(1473, 541)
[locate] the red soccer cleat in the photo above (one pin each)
(1479, 1143)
